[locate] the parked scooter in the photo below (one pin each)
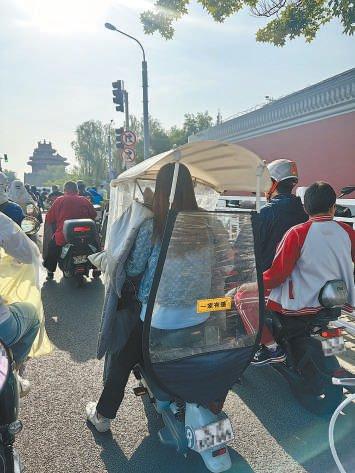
(82, 241)
(10, 461)
(311, 364)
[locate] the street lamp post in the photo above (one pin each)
(109, 26)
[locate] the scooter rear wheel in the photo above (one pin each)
(79, 280)
(317, 395)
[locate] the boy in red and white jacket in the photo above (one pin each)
(309, 255)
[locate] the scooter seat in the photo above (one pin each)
(157, 392)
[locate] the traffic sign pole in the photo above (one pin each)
(126, 109)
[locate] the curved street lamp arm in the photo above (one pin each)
(134, 39)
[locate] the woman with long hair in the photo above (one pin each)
(142, 262)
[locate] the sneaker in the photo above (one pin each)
(101, 424)
(24, 386)
(265, 356)
(50, 276)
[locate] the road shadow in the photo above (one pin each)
(151, 456)
(73, 316)
(303, 435)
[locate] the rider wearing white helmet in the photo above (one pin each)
(282, 211)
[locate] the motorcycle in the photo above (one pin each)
(10, 426)
(81, 241)
(189, 369)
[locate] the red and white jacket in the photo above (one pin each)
(309, 255)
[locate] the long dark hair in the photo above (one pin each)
(184, 195)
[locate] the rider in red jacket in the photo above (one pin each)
(69, 206)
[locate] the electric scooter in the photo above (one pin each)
(188, 371)
(81, 241)
(311, 364)
(195, 347)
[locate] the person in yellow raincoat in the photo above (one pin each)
(21, 311)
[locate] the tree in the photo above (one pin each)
(159, 137)
(195, 123)
(288, 18)
(91, 149)
(177, 136)
(54, 175)
(91, 146)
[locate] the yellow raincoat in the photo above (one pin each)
(19, 283)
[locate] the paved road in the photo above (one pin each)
(273, 433)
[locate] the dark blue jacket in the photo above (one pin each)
(276, 218)
(13, 211)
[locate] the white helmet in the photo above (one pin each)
(282, 169)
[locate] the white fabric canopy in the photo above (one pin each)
(222, 166)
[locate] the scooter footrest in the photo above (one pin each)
(140, 391)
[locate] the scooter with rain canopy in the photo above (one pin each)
(195, 345)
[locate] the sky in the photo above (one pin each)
(57, 63)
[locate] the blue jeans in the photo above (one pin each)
(20, 330)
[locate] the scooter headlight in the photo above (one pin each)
(15, 427)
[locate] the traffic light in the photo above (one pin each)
(118, 95)
(118, 133)
(5, 158)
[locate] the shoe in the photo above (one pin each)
(24, 386)
(265, 356)
(101, 424)
(50, 276)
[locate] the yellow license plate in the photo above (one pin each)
(214, 305)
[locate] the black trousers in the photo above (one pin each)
(50, 263)
(294, 326)
(120, 368)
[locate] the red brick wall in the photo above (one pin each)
(323, 150)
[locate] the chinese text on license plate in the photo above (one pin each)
(80, 259)
(213, 435)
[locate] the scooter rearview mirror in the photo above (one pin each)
(28, 225)
(4, 366)
(347, 190)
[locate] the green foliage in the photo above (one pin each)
(288, 18)
(91, 146)
(195, 123)
(91, 149)
(59, 177)
(161, 139)
(54, 175)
